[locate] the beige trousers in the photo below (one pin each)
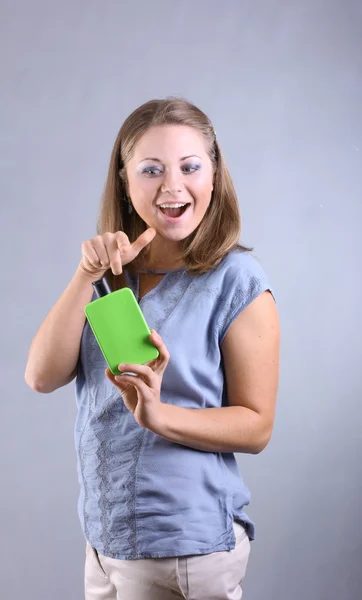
(215, 576)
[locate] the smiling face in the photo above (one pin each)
(170, 180)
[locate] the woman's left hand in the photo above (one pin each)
(141, 393)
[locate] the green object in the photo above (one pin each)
(120, 329)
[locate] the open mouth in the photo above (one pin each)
(174, 211)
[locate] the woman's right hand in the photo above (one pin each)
(112, 251)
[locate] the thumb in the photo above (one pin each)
(111, 377)
(143, 240)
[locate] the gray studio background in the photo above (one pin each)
(282, 83)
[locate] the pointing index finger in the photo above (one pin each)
(143, 240)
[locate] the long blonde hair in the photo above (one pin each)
(220, 229)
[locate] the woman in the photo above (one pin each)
(162, 501)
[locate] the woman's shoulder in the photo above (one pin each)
(239, 265)
(239, 276)
(242, 280)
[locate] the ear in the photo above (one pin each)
(126, 186)
(124, 181)
(213, 178)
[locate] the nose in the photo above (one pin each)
(172, 183)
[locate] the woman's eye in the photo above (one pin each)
(152, 171)
(190, 168)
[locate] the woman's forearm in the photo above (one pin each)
(226, 429)
(54, 351)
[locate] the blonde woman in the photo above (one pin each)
(161, 497)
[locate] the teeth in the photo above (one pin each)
(172, 205)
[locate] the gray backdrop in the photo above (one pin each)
(282, 84)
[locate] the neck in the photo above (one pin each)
(164, 254)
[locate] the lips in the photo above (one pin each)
(173, 212)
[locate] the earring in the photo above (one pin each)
(130, 207)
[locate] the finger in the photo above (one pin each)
(113, 252)
(88, 266)
(143, 371)
(152, 364)
(121, 238)
(124, 247)
(122, 387)
(164, 355)
(90, 254)
(124, 380)
(110, 375)
(99, 247)
(143, 240)
(115, 262)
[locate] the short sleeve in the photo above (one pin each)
(244, 280)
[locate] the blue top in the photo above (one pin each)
(141, 495)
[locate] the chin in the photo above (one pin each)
(174, 236)
(177, 233)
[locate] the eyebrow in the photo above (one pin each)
(158, 160)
